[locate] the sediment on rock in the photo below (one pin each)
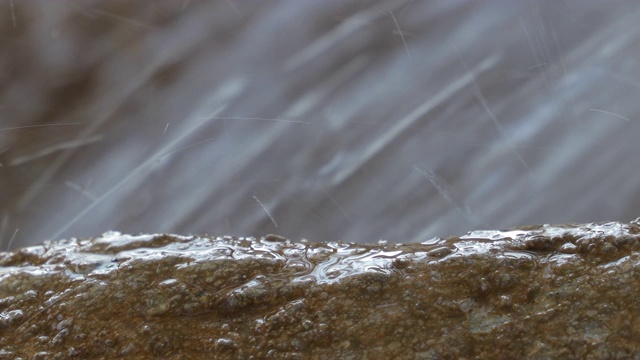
(565, 291)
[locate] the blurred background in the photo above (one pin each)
(327, 120)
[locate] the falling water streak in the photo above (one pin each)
(412, 117)
(563, 66)
(54, 148)
(165, 129)
(10, 244)
(79, 189)
(408, 5)
(266, 211)
(165, 154)
(440, 184)
(157, 156)
(121, 18)
(610, 113)
(13, 13)
(401, 35)
(253, 118)
(499, 126)
(346, 28)
(127, 88)
(102, 197)
(554, 100)
(432, 178)
(37, 126)
(538, 66)
(526, 34)
(529, 92)
(335, 202)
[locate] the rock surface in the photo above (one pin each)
(567, 291)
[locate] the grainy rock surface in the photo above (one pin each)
(565, 291)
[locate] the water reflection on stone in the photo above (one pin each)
(531, 292)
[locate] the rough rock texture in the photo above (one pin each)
(567, 291)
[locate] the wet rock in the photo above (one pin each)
(541, 292)
(10, 318)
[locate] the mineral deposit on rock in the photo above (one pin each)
(569, 291)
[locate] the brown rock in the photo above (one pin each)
(542, 292)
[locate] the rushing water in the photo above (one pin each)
(332, 120)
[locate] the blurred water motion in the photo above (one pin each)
(334, 120)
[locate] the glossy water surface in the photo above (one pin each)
(320, 262)
(533, 292)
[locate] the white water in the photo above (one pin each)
(334, 120)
